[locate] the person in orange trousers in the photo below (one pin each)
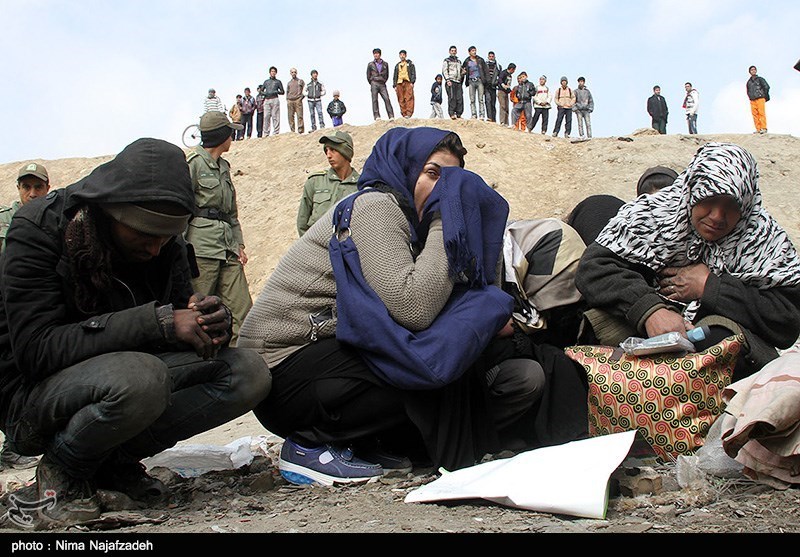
(758, 93)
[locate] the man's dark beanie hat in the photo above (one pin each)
(212, 138)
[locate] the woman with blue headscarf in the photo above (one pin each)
(355, 322)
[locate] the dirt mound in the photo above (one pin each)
(539, 175)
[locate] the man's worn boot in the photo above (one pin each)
(65, 500)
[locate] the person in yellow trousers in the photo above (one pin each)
(215, 232)
(758, 93)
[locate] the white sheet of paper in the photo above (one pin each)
(570, 479)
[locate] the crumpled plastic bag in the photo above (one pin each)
(712, 458)
(190, 461)
(709, 459)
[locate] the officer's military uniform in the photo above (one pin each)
(6, 214)
(322, 190)
(216, 235)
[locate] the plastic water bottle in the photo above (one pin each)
(667, 342)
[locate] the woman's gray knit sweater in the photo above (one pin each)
(298, 303)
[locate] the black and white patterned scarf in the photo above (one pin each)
(656, 231)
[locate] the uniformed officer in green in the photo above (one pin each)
(215, 232)
(32, 182)
(325, 188)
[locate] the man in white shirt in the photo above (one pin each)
(690, 104)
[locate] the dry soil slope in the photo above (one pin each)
(539, 176)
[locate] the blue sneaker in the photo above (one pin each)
(326, 465)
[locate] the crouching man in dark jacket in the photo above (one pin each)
(106, 354)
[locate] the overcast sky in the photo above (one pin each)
(87, 77)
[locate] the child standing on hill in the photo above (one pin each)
(336, 109)
(521, 96)
(236, 117)
(541, 104)
(436, 97)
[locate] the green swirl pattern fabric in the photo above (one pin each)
(672, 400)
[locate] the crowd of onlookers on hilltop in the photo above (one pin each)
(266, 109)
(489, 85)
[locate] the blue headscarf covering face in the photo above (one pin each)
(473, 218)
(398, 157)
(473, 214)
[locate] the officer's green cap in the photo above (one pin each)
(213, 120)
(339, 141)
(34, 169)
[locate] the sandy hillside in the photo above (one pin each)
(539, 176)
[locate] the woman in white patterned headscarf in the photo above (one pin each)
(702, 246)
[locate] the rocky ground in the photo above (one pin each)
(541, 177)
(255, 499)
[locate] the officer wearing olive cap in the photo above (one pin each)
(325, 188)
(215, 232)
(32, 182)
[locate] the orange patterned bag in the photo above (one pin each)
(672, 399)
